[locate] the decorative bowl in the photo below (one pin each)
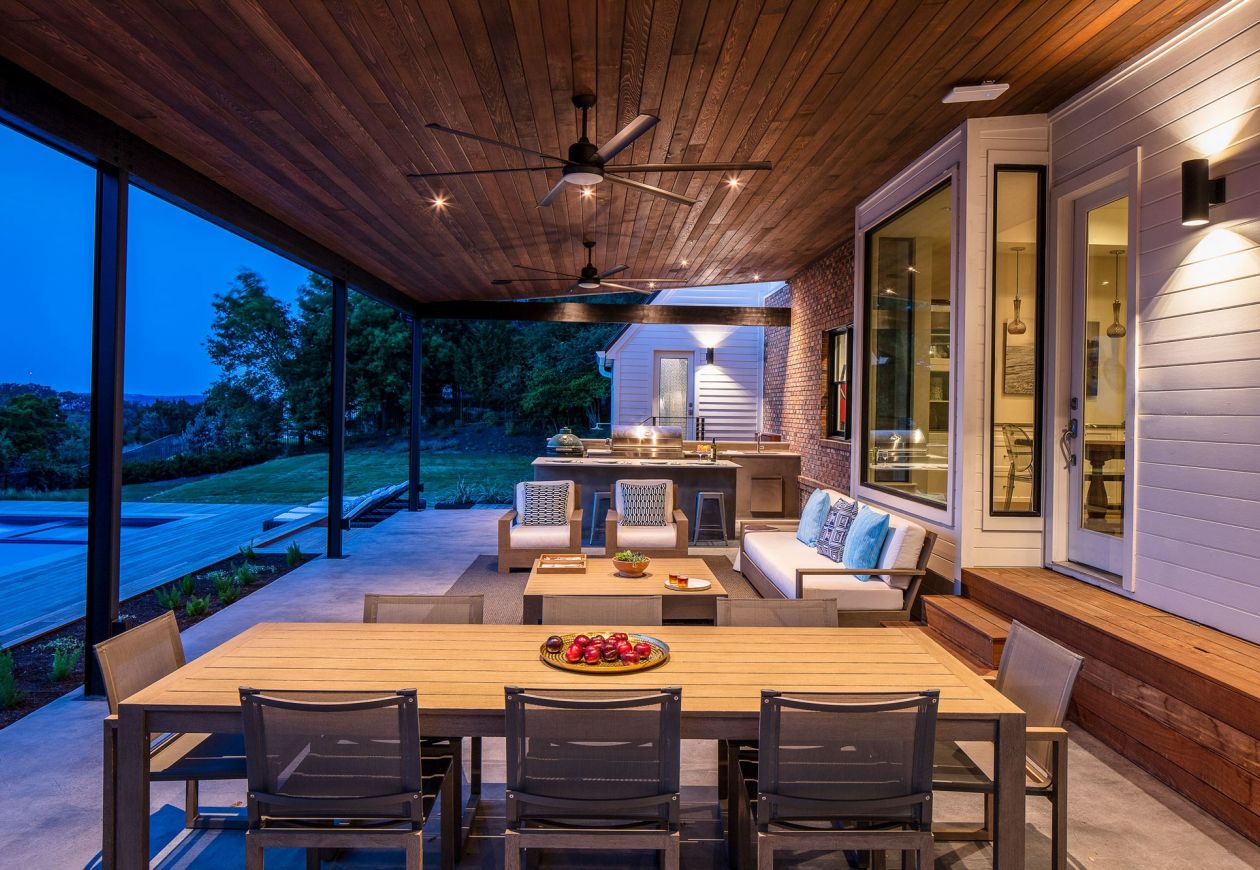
(632, 569)
(658, 656)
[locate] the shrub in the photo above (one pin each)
(187, 584)
(10, 694)
(227, 587)
(67, 651)
(195, 606)
(248, 553)
(293, 554)
(193, 464)
(168, 597)
(245, 574)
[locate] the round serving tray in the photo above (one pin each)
(657, 657)
(694, 584)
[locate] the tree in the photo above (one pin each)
(251, 337)
(378, 352)
(562, 385)
(33, 430)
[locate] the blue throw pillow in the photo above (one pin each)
(812, 516)
(866, 540)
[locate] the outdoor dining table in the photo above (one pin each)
(460, 671)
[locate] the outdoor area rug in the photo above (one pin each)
(504, 592)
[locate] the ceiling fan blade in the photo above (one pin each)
(489, 141)
(626, 136)
(548, 271)
(500, 281)
(652, 280)
(553, 194)
(693, 167)
(647, 188)
(614, 270)
(624, 287)
(414, 175)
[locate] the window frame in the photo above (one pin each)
(1039, 334)
(949, 182)
(830, 431)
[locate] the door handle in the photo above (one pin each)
(1066, 437)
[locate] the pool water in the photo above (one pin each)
(29, 541)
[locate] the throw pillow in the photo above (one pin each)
(866, 540)
(812, 517)
(836, 529)
(643, 504)
(545, 504)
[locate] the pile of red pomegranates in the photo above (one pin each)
(595, 649)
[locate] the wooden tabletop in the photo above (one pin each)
(601, 578)
(462, 669)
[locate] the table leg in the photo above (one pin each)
(1096, 494)
(1009, 783)
(132, 842)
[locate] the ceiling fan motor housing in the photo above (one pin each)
(585, 164)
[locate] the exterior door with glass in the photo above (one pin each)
(674, 402)
(1094, 442)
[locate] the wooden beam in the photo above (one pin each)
(592, 312)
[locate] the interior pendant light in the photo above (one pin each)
(1017, 326)
(1116, 330)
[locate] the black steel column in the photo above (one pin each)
(106, 424)
(337, 421)
(413, 458)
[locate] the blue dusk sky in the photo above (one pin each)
(177, 262)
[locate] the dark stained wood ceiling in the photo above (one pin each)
(314, 110)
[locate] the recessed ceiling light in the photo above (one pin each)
(684, 262)
(975, 93)
(588, 192)
(651, 285)
(733, 181)
(757, 277)
(440, 201)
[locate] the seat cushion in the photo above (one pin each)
(644, 502)
(835, 529)
(812, 516)
(544, 502)
(865, 543)
(647, 537)
(779, 554)
(535, 537)
(902, 548)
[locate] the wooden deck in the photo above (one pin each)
(1177, 698)
(42, 597)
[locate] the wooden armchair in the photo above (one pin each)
(520, 546)
(667, 541)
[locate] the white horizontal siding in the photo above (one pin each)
(1197, 520)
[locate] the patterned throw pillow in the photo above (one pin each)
(643, 504)
(545, 504)
(836, 529)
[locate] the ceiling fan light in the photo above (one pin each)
(583, 177)
(589, 284)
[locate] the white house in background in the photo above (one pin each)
(664, 371)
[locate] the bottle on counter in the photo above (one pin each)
(713, 450)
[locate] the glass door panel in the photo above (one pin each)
(673, 390)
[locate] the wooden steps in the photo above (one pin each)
(968, 626)
(1178, 699)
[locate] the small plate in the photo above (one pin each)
(694, 584)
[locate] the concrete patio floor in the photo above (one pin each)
(50, 761)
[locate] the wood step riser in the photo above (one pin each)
(976, 640)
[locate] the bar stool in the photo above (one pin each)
(597, 519)
(703, 498)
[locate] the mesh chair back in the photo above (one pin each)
(593, 753)
(423, 609)
(139, 657)
(1019, 447)
(332, 754)
(788, 613)
(1037, 674)
(852, 756)
(602, 610)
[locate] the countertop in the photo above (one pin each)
(589, 461)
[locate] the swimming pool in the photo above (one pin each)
(28, 541)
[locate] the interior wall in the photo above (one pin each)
(1197, 466)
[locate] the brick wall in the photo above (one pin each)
(821, 297)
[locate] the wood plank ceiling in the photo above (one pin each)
(315, 112)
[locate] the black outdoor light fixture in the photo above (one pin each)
(708, 356)
(1199, 192)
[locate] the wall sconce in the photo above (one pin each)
(708, 356)
(1199, 192)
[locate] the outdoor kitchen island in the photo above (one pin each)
(595, 474)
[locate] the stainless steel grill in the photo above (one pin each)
(650, 442)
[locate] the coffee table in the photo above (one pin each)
(601, 578)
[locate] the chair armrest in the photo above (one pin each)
(505, 530)
(575, 528)
(991, 679)
(611, 521)
(802, 573)
(680, 522)
(506, 518)
(1045, 733)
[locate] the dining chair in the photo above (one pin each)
(846, 771)
(130, 662)
(439, 610)
(609, 611)
(337, 770)
(776, 613)
(593, 769)
(1019, 456)
(1037, 675)
(424, 609)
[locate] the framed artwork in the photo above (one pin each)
(1019, 364)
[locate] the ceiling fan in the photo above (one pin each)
(590, 280)
(587, 164)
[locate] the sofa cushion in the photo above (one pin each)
(545, 503)
(644, 502)
(647, 537)
(518, 499)
(902, 548)
(835, 530)
(812, 516)
(779, 554)
(865, 543)
(536, 537)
